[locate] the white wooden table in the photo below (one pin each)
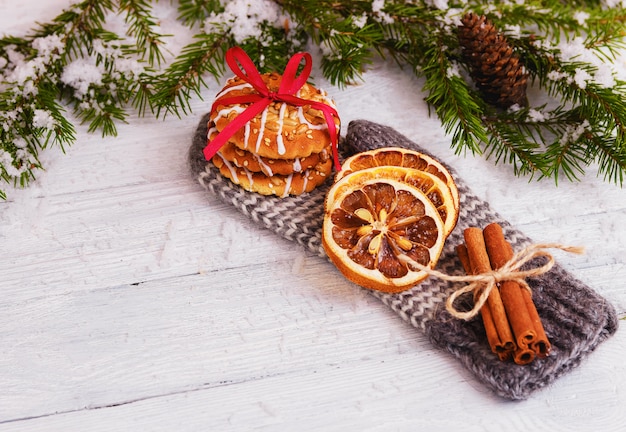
(131, 300)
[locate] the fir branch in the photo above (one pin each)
(459, 110)
(567, 156)
(76, 26)
(185, 77)
(35, 80)
(141, 24)
(409, 36)
(535, 17)
(193, 12)
(611, 158)
(515, 143)
(567, 49)
(338, 27)
(30, 123)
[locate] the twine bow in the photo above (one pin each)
(291, 83)
(482, 284)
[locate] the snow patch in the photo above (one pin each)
(248, 16)
(81, 74)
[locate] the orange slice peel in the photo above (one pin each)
(380, 220)
(400, 157)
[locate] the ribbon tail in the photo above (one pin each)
(334, 139)
(329, 116)
(237, 123)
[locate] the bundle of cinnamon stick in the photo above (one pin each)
(514, 329)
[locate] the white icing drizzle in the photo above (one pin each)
(326, 100)
(233, 171)
(279, 134)
(250, 175)
(266, 168)
(261, 130)
(306, 180)
(303, 119)
(231, 168)
(211, 130)
(297, 166)
(288, 181)
(225, 111)
(227, 90)
(246, 135)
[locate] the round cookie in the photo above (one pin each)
(255, 163)
(281, 131)
(245, 159)
(280, 185)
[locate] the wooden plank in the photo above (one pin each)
(75, 350)
(371, 395)
(128, 235)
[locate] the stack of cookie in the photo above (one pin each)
(284, 150)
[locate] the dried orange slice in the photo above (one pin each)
(397, 156)
(432, 186)
(374, 227)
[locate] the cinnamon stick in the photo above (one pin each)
(479, 263)
(523, 355)
(541, 345)
(500, 251)
(520, 308)
(490, 328)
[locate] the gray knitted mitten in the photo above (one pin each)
(576, 319)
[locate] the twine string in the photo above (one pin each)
(482, 284)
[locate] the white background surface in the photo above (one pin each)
(131, 300)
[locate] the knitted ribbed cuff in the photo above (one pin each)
(576, 318)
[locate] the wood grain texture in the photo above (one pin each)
(130, 300)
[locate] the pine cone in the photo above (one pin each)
(494, 67)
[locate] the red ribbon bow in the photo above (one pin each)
(289, 86)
